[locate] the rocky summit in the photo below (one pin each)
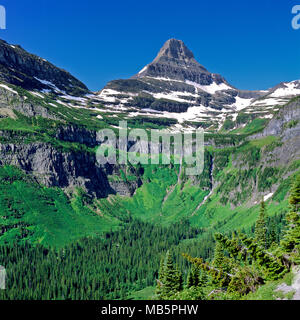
(175, 86)
(49, 119)
(175, 61)
(174, 91)
(93, 225)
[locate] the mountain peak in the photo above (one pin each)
(175, 49)
(175, 61)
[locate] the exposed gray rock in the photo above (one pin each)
(246, 94)
(176, 61)
(13, 101)
(54, 168)
(279, 124)
(73, 133)
(293, 288)
(176, 70)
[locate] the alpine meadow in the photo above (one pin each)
(72, 228)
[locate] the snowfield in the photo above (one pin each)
(289, 89)
(212, 88)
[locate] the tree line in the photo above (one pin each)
(93, 268)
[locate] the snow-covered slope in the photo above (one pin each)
(174, 89)
(176, 86)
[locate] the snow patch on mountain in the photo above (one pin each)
(288, 89)
(144, 69)
(110, 95)
(78, 99)
(269, 102)
(8, 88)
(37, 94)
(212, 88)
(241, 103)
(164, 79)
(173, 95)
(51, 85)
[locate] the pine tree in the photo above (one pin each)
(294, 199)
(178, 279)
(170, 278)
(193, 278)
(245, 247)
(218, 261)
(203, 279)
(260, 226)
(291, 239)
(272, 235)
(160, 280)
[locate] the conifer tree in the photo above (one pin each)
(193, 278)
(170, 278)
(260, 226)
(189, 280)
(178, 280)
(218, 261)
(160, 280)
(291, 240)
(248, 247)
(272, 236)
(203, 279)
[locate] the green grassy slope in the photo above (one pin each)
(43, 215)
(48, 216)
(233, 165)
(161, 199)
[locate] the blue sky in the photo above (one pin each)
(251, 43)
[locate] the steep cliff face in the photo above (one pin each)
(267, 159)
(276, 146)
(53, 136)
(285, 123)
(81, 135)
(54, 168)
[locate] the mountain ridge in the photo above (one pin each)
(55, 198)
(174, 87)
(18, 67)
(194, 94)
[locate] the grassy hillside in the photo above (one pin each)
(32, 212)
(165, 197)
(168, 209)
(29, 211)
